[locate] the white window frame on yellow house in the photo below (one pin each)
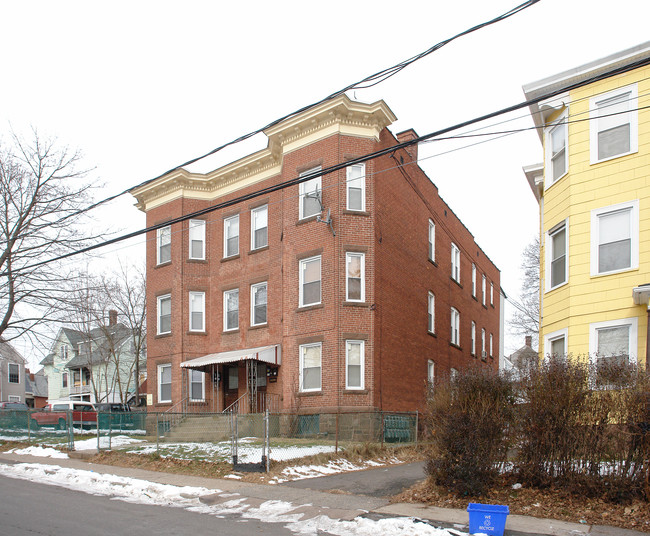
(554, 336)
(632, 209)
(548, 254)
(619, 108)
(557, 128)
(632, 323)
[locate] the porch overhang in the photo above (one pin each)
(266, 354)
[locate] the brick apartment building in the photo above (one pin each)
(266, 303)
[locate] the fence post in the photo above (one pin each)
(157, 434)
(96, 426)
(381, 427)
(70, 430)
(29, 426)
(417, 428)
(336, 447)
(267, 439)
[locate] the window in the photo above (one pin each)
(491, 294)
(310, 367)
(310, 291)
(455, 327)
(483, 289)
(613, 124)
(356, 187)
(164, 242)
(14, 398)
(432, 313)
(197, 239)
(431, 372)
(164, 314)
(231, 236)
(473, 347)
(474, 280)
(557, 246)
(231, 310)
(165, 383)
(432, 240)
(197, 385)
(64, 352)
(557, 156)
(354, 357)
(310, 195)
(491, 354)
(555, 344)
(64, 380)
(355, 281)
(615, 238)
(455, 262)
(258, 304)
(14, 373)
(453, 374)
(197, 311)
(233, 378)
(612, 343)
(483, 352)
(260, 227)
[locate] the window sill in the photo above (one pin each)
(432, 334)
(202, 333)
(454, 345)
(228, 332)
(258, 326)
(162, 335)
(231, 258)
(349, 391)
(309, 307)
(163, 264)
(309, 393)
(484, 306)
(433, 262)
(355, 212)
(613, 157)
(556, 287)
(257, 250)
(197, 261)
(355, 304)
(307, 219)
(474, 298)
(614, 272)
(457, 282)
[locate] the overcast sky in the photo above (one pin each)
(140, 87)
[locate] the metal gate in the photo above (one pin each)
(250, 445)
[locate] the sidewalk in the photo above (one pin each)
(312, 503)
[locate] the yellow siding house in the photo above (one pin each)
(593, 190)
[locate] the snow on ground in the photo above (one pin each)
(298, 472)
(43, 452)
(144, 492)
(115, 442)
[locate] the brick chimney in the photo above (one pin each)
(112, 317)
(529, 341)
(407, 135)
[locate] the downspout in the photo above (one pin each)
(647, 339)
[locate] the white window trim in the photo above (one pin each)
(455, 326)
(455, 263)
(483, 353)
(253, 289)
(202, 296)
(548, 251)
(473, 334)
(363, 187)
(633, 115)
(561, 122)
(491, 293)
(197, 226)
(633, 206)
(431, 372)
(484, 289)
(347, 277)
(301, 190)
(491, 345)
(159, 299)
(553, 336)
(9, 365)
(14, 398)
(225, 309)
(160, 369)
(431, 312)
(226, 223)
(633, 343)
(432, 241)
(301, 281)
(473, 280)
(301, 364)
(189, 387)
(362, 351)
(159, 234)
(254, 245)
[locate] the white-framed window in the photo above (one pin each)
(355, 281)
(164, 308)
(474, 280)
(455, 262)
(164, 244)
(231, 309)
(491, 293)
(556, 254)
(260, 227)
(356, 187)
(483, 288)
(613, 341)
(431, 372)
(310, 195)
(556, 344)
(64, 352)
(14, 398)
(165, 383)
(432, 240)
(197, 385)
(557, 154)
(231, 236)
(64, 380)
(613, 124)
(455, 326)
(473, 341)
(13, 373)
(197, 311)
(197, 239)
(615, 238)
(483, 353)
(354, 364)
(258, 303)
(453, 374)
(491, 348)
(432, 313)
(310, 366)
(310, 281)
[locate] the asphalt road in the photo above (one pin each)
(29, 509)
(379, 482)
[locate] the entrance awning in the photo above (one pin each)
(266, 354)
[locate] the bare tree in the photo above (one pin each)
(43, 197)
(525, 319)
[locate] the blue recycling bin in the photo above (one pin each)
(487, 518)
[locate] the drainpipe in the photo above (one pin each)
(647, 340)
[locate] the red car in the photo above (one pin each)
(56, 414)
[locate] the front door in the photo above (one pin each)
(230, 385)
